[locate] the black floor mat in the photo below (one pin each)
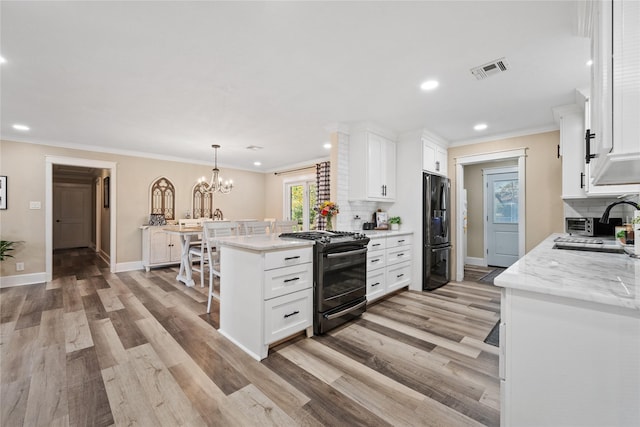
(488, 278)
(494, 336)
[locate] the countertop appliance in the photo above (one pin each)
(436, 223)
(591, 227)
(339, 276)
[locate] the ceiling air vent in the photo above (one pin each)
(254, 147)
(489, 69)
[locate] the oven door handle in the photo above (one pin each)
(345, 311)
(348, 253)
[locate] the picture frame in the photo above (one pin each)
(381, 218)
(106, 191)
(3, 192)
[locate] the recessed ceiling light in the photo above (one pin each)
(480, 126)
(257, 163)
(590, 63)
(327, 145)
(429, 85)
(20, 127)
(2, 60)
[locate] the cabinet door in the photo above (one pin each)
(160, 247)
(375, 155)
(375, 284)
(434, 158)
(288, 314)
(388, 166)
(175, 247)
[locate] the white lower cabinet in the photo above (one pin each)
(567, 362)
(159, 248)
(265, 296)
(388, 264)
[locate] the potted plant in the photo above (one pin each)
(395, 222)
(6, 246)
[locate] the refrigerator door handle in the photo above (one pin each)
(448, 248)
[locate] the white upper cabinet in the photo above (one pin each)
(372, 167)
(615, 92)
(434, 157)
(577, 181)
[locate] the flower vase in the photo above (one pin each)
(329, 226)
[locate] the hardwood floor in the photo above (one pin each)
(95, 348)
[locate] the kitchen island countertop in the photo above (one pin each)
(263, 242)
(606, 278)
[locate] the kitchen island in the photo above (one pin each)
(570, 338)
(266, 290)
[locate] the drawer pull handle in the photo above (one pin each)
(289, 258)
(291, 280)
(402, 254)
(376, 244)
(375, 284)
(399, 275)
(291, 314)
(400, 241)
(375, 260)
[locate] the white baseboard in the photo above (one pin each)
(22, 279)
(129, 266)
(481, 262)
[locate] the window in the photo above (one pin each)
(300, 201)
(163, 200)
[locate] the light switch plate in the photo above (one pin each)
(35, 205)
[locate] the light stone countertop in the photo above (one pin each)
(385, 233)
(606, 278)
(263, 243)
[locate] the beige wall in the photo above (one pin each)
(543, 183)
(475, 205)
(24, 165)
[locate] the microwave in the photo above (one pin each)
(591, 226)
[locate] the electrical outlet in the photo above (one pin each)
(19, 266)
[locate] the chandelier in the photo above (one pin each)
(216, 185)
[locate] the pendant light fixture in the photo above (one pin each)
(216, 185)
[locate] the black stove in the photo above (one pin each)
(325, 239)
(339, 276)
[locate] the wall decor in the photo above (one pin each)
(106, 192)
(3, 192)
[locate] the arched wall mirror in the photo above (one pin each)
(163, 198)
(202, 201)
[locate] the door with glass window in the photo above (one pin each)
(502, 218)
(300, 201)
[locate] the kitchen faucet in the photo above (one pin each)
(605, 215)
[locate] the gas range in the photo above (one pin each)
(329, 239)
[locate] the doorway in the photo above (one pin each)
(460, 247)
(501, 213)
(50, 161)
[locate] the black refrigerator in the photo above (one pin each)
(436, 223)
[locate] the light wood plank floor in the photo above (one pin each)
(137, 348)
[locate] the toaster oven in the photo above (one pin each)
(591, 226)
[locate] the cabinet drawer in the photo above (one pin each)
(398, 254)
(403, 240)
(375, 284)
(377, 244)
(286, 315)
(375, 260)
(398, 276)
(281, 281)
(277, 259)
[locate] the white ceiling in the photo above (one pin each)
(172, 78)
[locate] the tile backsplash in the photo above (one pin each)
(595, 207)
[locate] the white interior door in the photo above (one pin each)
(72, 215)
(501, 221)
